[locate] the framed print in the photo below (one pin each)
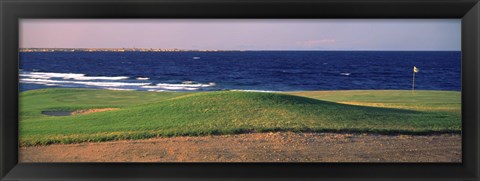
(239, 90)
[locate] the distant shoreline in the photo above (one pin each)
(114, 50)
(189, 50)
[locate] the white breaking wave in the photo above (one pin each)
(48, 75)
(100, 78)
(253, 90)
(185, 86)
(346, 74)
(180, 88)
(120, 89)
(35, 76)
(103, 82)
(169, 87)
(100, 84)
(155, 90)
(40, 83)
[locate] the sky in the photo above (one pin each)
(243, 34)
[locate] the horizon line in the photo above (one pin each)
(180, 49)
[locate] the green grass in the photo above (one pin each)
(422, 100)
(147, 114)
(32, 103)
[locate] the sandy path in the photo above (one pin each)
(258, 147)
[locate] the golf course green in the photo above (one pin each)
(142, 115)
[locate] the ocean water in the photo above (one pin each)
(247, 70)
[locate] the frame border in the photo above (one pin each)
(13, 10)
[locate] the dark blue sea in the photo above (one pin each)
(247, 70)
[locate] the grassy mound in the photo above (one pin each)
(144, 115)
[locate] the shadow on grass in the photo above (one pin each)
(294, 99)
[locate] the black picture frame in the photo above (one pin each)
(13, 10)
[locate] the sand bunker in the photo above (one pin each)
(89, 111)
(77, 112)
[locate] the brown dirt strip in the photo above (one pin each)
(89, 111)
(259, 147)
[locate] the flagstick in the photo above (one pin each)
(413, 83)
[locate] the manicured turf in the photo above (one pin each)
(422, 100)
(146, 114)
